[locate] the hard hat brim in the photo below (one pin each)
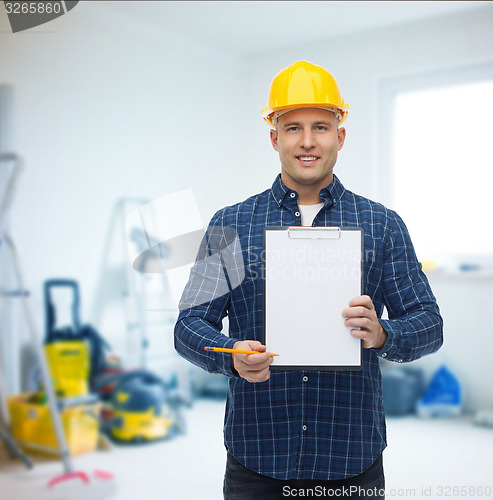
(267, 114)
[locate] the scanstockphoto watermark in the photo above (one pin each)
(305, 264)
(435, 491)
(342, 492)
(25, 14)
(222, 262)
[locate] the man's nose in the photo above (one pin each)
(307, 140)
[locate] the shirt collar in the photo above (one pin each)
(330, 194)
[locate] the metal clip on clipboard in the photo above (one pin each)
(314, 233)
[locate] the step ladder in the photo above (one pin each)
(143, 299)
(16, 290)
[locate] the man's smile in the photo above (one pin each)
(307, 159)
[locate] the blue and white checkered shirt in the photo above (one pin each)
(307, 424)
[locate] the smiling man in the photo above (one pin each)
(296, 433)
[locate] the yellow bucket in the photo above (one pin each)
(32, 426)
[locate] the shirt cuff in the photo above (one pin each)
(223, 359)
(390, 349)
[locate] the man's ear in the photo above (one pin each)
(341, 137)
(273, 139)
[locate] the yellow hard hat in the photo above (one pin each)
(304, 85)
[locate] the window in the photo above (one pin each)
(440, 166)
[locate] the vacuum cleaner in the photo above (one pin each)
(141, 408)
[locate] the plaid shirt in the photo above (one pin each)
(308, 424)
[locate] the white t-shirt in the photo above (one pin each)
(309, 212)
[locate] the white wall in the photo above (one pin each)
(107, 107)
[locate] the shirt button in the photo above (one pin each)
(293, 195)
(305, 379)
(304, 427)
(400, 360)
(297, 214)
(384, 355)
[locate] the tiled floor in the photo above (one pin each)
(425, 459)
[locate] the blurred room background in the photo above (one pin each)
(118, 104)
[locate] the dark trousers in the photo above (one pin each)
(241, 483)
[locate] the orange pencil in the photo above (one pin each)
(238, 351)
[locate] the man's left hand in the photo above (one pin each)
(361, 315)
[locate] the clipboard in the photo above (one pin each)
(309, 275)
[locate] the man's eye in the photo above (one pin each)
(321, 127)
(291, 129)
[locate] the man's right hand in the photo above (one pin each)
(252, 367)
